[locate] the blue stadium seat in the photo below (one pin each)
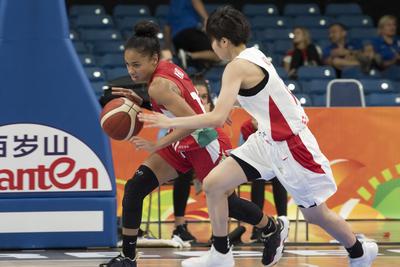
(343, 9)
(293, 86)
(345, 93)
(260, 9)
(318, 34)
(362, 33)
(80, 47)
(79, 10)
(116, 73)
(316, 72)
(162, 22)
(304, 99)
(94, 22)
(318, 100)
(127, 34)
(191, 70)
(356, 73)
(356, 21)
(162, 11)
(281, 72)
(316, 86)
(322, 43)
(111, 61)
(95, 74)
(392, 73)
(214, 74)
(98, 88)
(215, 87)
(87, 60)
(378, 86)
(127, 23)
(263, 22)
(256, 44)
(100, 35)
(268, 48)
(391, 99)
(131, 10)
(277, 60)
(283, 46)
(73, 35)
(313, 21)
(274, 34)
(100, 48)
(301, 9)
(396, 86)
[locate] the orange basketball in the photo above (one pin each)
(119, 119)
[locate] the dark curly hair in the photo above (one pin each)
(145, 40)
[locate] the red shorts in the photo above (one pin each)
(201, 160)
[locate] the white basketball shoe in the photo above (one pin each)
(211, 259)
(370, 252)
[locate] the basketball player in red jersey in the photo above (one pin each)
(173, 94)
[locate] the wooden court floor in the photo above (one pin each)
(308, 256)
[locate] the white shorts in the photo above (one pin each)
(297, 162)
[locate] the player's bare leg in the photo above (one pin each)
(361, 254)
(218, 186)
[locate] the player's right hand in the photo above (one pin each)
(128, 93)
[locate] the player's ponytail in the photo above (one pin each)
(145, 39)
(146, 28)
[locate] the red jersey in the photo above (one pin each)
(201, 137)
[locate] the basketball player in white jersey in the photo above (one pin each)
(283, 146)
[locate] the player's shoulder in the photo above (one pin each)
(159, 85)
(240, 67)
(237, 66)
(161, 88)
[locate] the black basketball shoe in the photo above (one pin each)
(274, 242)
(184, 234)
(120, 261)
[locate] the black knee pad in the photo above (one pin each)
(136, 189)
(244, 210)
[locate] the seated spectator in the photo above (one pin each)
(340, 53)
(387, 44)
(304, 53)
(369, 59)
(184, 29)
(343, 54)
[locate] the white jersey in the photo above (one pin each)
(278, 112)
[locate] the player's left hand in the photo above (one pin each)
(155, 120)
(143, 144)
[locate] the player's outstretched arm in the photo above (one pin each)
(166, 93)
(231, 81)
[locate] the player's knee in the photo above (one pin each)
(211, 185)
(139, 186)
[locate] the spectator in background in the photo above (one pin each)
(387, 44)
(340, 53)
(304, 53)
(184, 30)
(258, 186)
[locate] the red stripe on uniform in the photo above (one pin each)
(301, 154)
(280, 129)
